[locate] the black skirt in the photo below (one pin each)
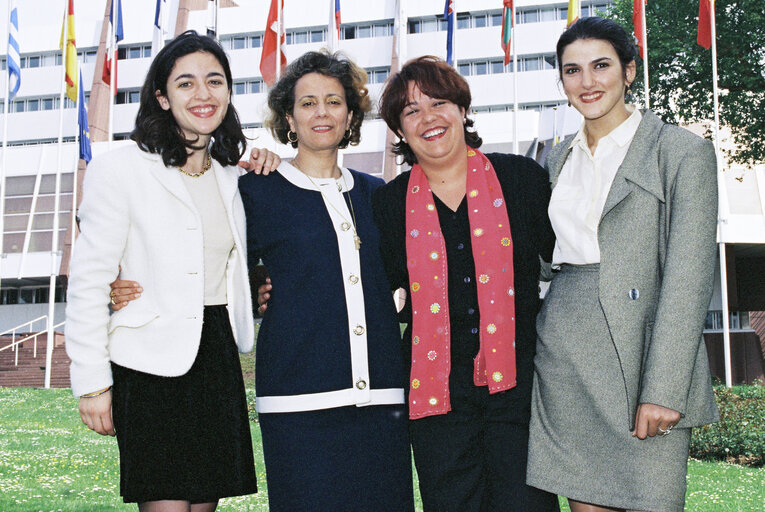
(188, 437)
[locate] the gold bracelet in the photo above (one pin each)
(96, 393)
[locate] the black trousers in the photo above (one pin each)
(473, 459)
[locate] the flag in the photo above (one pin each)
(115, 36)
(449, 16)
(573, 12)
(14, 69)
(337, 16)
(270, 45)
(70, 52)
(638, 15)
(160, 24)
(82, 120)
(212, 19)
(507, 28)
(706, 10)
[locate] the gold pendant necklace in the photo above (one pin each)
(345, 225)
(206, 168)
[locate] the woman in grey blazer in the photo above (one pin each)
(163, 372)
(620, 371)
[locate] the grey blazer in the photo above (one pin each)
(657, 237)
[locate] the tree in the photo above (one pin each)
(680, 71)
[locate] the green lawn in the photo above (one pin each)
(49, 461)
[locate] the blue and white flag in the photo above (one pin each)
(82, 121)
(160, 25)
(14, 69)
(449, 15)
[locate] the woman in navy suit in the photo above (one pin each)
(163, 372)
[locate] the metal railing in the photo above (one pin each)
(14, 344)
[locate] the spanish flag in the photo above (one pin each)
(573, 12)
(70, 52)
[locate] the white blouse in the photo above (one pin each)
(216, 234)
(580, 194)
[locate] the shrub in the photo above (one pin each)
(739, 436)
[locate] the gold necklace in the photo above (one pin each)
(206, 168)
(356, 237)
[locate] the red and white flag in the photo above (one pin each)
(274, 33)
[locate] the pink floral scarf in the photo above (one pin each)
(428, 287)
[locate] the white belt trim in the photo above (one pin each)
(329, 400)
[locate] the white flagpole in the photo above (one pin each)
(54, 238)
(32, 212)
(513, 38)
(645, 57)
(76, 161)
(279, 31)
(454, 37)
(5, 143)
(722, 205)
(333, 38)
(112, 71)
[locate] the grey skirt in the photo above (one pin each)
(580, 444)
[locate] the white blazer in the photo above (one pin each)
(138, 215)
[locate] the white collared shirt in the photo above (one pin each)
(580, 194)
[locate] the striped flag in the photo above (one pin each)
(273, 43)
(638, 15)
(14, 69)
(449, 15)
(115, 36)
(573, 12)
(69, 49)
(160, 24)
(507, 28)
(82, 121)
(337, 16)
(704, 37)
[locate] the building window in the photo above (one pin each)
(238, 43)
(738, 321)
(253, 86)
(128, 97)
(381, 28)
(378, 75)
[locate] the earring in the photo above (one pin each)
(569, 103)
(348, 134)
(292, 136)
(464, 120)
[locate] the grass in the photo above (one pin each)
(49, 461)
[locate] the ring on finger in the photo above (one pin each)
(665, 432)
(114, 302)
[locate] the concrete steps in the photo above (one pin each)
(30, 371)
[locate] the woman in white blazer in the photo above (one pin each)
(163, 372)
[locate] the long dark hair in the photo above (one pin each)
(281, 99)
(156, 130)
(433, 77)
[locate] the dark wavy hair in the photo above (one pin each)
(435, 78)
(281, 99)
(604, 30)
(156, 130)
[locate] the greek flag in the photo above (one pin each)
(14, 70)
